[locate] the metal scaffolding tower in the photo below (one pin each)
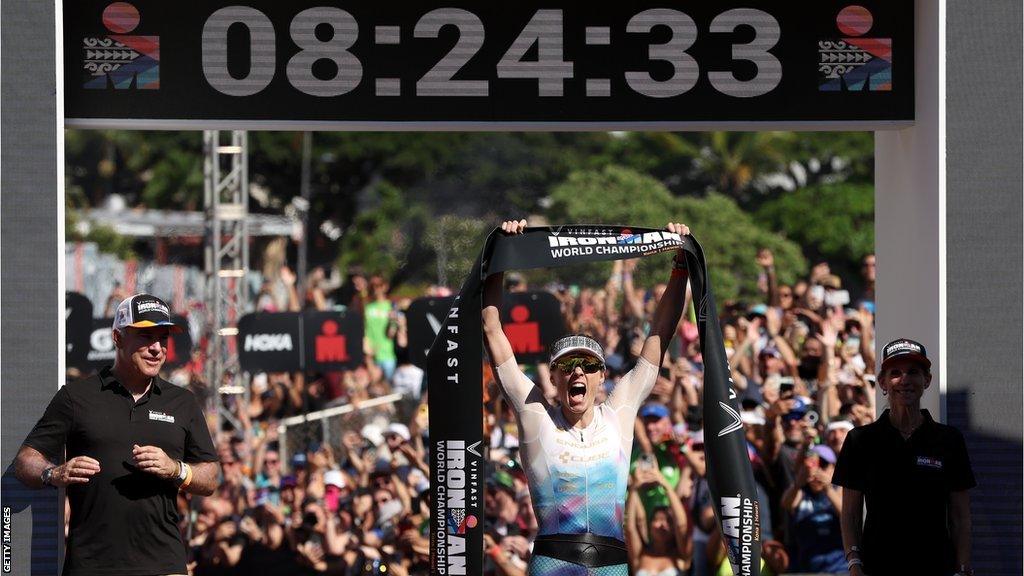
(226, 197)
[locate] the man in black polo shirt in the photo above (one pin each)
(913, 473)
(132, 440)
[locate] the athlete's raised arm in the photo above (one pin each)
(638, 383)
(498, 347)
(670, 307)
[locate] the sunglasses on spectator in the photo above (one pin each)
(589, 365)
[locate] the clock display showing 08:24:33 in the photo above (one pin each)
(544, 30)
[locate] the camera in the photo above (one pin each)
(309, 519)
(647, 462)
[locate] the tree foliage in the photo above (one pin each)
(381, 239)
(730, 237)
(77, 229)
(377, 198)
(831, 221)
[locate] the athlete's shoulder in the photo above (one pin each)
(642, 369)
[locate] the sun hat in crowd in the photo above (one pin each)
(654, 410)
(825, 453)
(840, 425)
(502, 480)
(143, 311)
(400, 430)
(334, 478)
(752, 418)
(576, 344)
(901, 348)
(373, 433)
(799, 410)
(832, 281)
(757, 310)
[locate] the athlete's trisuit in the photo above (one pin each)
(578, 477)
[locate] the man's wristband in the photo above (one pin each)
(853, 550)
(184, 477)
(854, 562)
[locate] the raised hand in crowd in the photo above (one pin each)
(766, 260)
(502, 559)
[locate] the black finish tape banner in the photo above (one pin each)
(454, 377)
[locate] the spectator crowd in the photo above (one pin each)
(355, 500)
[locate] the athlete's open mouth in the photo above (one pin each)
(577, 389)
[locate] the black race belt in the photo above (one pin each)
(586, 549)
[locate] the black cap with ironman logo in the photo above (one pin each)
(143, 311)
(905, 348)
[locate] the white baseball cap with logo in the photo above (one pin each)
(334, 478)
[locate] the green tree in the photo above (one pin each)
(456, 242)
(611, 195)
(381, 239)
(832, 222)
(730, 236)
(77, 229)
(751, 167)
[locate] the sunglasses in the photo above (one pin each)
(589, 365)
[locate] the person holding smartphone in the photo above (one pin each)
(576, 453)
